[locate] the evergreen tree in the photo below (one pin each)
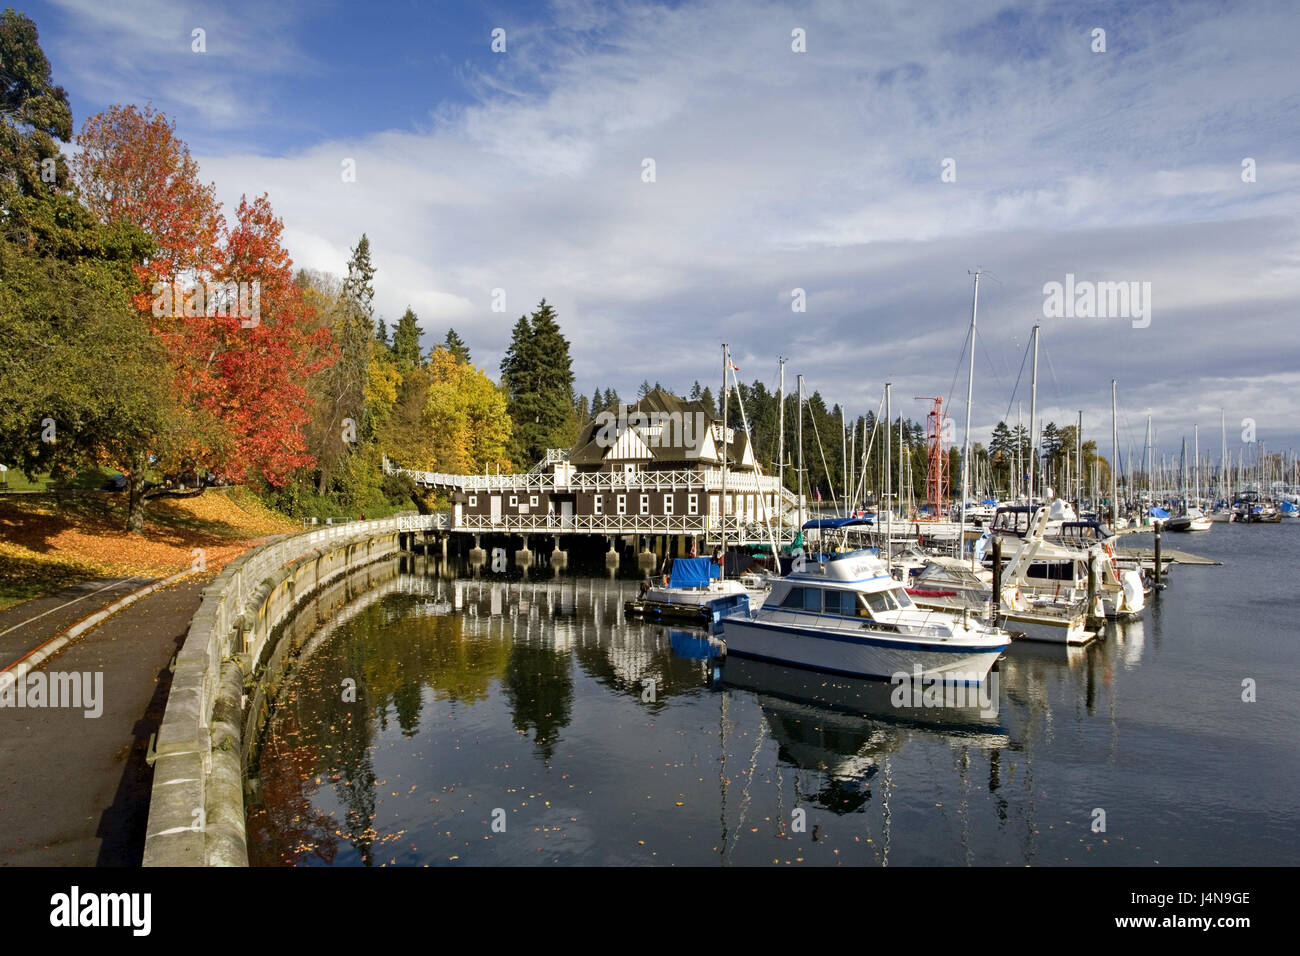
(706, 397)
(613, 404)
(643, 389)
(583, 411)
(597, 403)
(456, 346)
(537, 375)
(406, 341)
(381, 331)
(346, 392)
(695, 391)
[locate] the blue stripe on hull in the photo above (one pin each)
(830, 670)
(895, 644)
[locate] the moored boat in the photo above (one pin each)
(845, 614)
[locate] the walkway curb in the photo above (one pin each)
(13, 673)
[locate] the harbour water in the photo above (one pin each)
(482, 719)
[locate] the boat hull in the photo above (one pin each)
(1048, 629)
(875, 657)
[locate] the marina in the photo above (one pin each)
(610, 740)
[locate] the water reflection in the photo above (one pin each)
(428, 700)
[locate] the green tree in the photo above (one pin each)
(347, 378)
(456, 346)
(537, 376)
(406, 342)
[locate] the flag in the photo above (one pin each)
(819, 496)
(734, 366)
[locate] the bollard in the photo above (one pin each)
(1092, 588)
(1159, 527)
(995, 608)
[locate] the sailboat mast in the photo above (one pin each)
(1196, 459)
(799, 439)
(780, 441)
(1033, 418)
(1078, 464)
(725, 456)
(1114, 456)
(970, 397)
(889, 509)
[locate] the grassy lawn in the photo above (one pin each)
(50, 540)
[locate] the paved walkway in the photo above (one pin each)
(74, 790)
(25, 626)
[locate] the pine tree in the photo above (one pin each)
(537, 375)
(613, 403)
(381, 331)
(346, 391)
(597, 403)
(406, 341)
(644, 389)
(706, 397)
(583, 411)
(456, 346)
(695, 391)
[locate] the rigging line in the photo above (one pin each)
(989, 357)
(834, 502)
(1019, 375)
(1055, 384)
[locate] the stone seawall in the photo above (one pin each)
(196, 812)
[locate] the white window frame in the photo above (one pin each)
(514, 501)
(645, 504)
(598, 505)
(532, 501)
(473, 501)
(692, 504)
(622, 504)
(668, 503)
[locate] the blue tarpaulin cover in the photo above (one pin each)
(693, 572)
(836, 522)
(1158, 513)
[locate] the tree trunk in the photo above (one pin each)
(135, 485)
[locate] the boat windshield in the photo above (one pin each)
(891, 599)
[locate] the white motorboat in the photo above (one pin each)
(844, 614)
(694, 593)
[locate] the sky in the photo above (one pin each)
(904, 147)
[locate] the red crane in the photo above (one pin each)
(936, 473)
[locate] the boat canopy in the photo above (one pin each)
(832, 523)
(1158, 513)
(693, 572)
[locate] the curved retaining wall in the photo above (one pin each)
(196, 812)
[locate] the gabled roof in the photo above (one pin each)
(669, 430)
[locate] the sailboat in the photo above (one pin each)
(1189, 517)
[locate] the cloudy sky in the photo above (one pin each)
(909, 144)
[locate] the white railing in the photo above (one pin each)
(708, 479)
(603, 524)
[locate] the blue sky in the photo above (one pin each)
(775, 170)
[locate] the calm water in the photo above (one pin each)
(514, 722)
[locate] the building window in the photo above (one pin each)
(622, 504)
(473, 501)
(532, 501)
(668, 503)
(692, 504)
(645, 504)
(514, 501)
(598, 505)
